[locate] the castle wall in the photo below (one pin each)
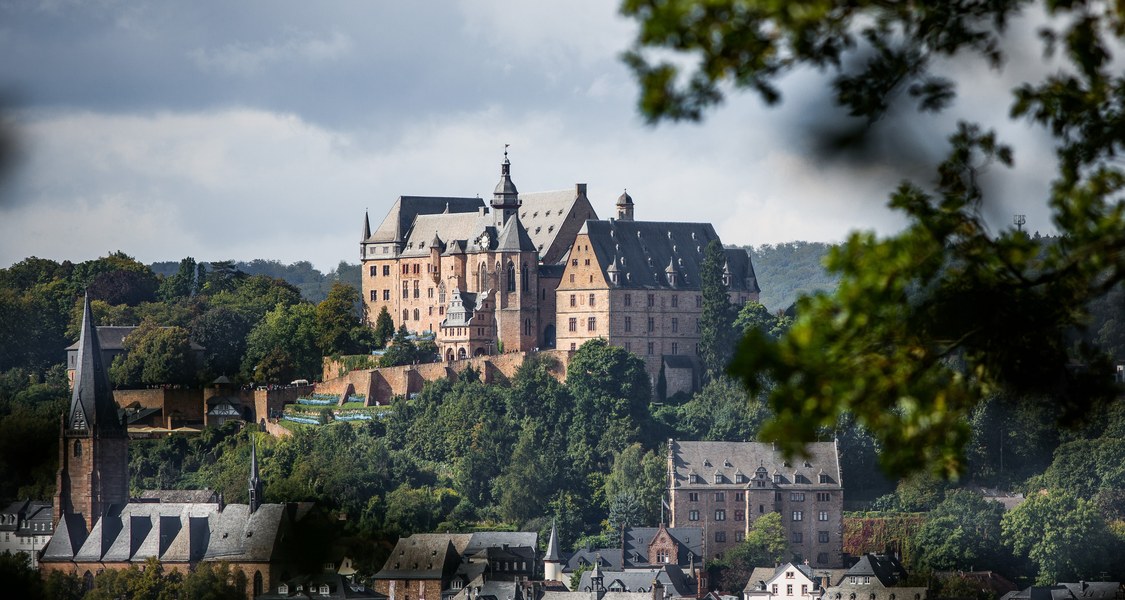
(178, 406)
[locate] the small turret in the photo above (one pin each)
(505, 198)
(552, 569)
(625, 207)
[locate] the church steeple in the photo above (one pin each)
(366, 226)
(92, 408)
(255, 481)
(505, 198)
(94, 445)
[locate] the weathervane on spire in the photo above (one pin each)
(506, 150)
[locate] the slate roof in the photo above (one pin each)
(545, 213)
(172, 532)
(641, 252)
(1099, 590)
(761, 577)
(610, 558)
(69, 536)
(637, 539)
(728, 458)
(398, 221)
(881, 566)
(21, 517)
(420, 556)
(462, 307)
(181, 496)
(676, 583)
(112, 338)
(91, 402)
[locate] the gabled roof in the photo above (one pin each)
(676, 583)
(421, 556)
(514, 238)
(637, 540)
(68, 538)
(399, 220)
(112, 338)
(883, 567)
(91, 402)
(707, 458)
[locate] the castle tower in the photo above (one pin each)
(254, 481)
(552, 568)
(505, 198)
(625, 207)
(94, 446)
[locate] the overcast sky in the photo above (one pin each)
(265, 129)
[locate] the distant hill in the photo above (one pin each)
(313, 284)
(785, 271)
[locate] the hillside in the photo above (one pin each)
(313, 284)
(785, 271)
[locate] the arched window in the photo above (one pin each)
(257, 583)
(415, 314)
(525, 280)
(78, 447)
(511, 277)
(405, 314)
(461, 353)
(88, 580)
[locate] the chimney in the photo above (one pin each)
(657, 590)
(580, 189)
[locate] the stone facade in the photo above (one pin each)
(470, 273)
(725, 486)
(636, 284)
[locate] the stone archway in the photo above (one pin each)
(461, 354)
(549, 336)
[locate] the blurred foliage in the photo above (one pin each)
(926, 323)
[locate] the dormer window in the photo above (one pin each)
(323, 589)
(824, 478)
(718, 477)
(283, 589)
(777, 477)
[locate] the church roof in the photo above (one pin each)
(91, 402)
(69, 536)
(637, 539)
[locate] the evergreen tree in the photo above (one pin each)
(384, 328)
(716, 335)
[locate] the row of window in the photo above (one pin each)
(759, 481)
(799, 515)
(740, 496)
(418, 314)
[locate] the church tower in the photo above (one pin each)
(552, 567)
(625, 207)
(254, 481)
(94, 446)
(505, 198)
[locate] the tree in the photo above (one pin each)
(384, 328)
(961, 533)
(154, 355)
(283, 344)
(716, 340)
(180, 285)
(337, 318)
(1063, 535)
(928, 321)
(222, 332)
(402, 350)
(764, 546)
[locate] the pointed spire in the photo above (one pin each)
(91, 403)
(366, 226)
(553, 545)
(255, 481)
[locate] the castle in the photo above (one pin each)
(540, 270)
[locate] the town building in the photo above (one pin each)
(434, 566)
(724, 487)
(876, 577)
(637, 284)
(26, 527)
(785, 582)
